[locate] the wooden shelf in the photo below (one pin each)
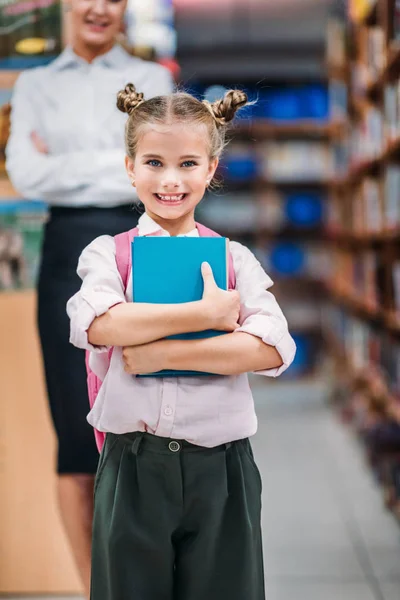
(314, 287)
(8, 79)
(370, 238)
(7, 191)
(375, 87)
(378, 317)
(298, 183)
(338, 71)
(260, 184)
(392, 149)
(368, 167)
(393, 60)
(356, 306)
(297, 129)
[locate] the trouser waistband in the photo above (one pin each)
(141, 441)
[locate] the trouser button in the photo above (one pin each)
(174, 446)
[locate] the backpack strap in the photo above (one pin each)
(206, 232)
(123, 254)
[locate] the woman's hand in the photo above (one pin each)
(39, 144)
(147, 358)
(223, 307)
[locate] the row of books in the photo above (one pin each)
(364, 345)
(369, 277)
(374, 206)
(277, 103)
(269, 210)
(278, 161)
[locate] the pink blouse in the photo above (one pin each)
(207, 411)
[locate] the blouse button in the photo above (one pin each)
(168, 411)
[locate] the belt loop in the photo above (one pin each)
(136, 444)
(228, 445)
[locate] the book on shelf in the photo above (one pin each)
(336, 42)
(396, 288)
(296, 161)
(375, 51)
(372, 205)
(396, 21)
(167, 270)
(338, 99)
(392, 111)
(234, 212)
(392, 197)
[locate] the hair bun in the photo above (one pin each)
(224, 110)
(128, 99)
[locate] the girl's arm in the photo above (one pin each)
(101, 317)
(229, 354)
(261, 344)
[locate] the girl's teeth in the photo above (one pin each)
(171, 198)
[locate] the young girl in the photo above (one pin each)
(177, 494)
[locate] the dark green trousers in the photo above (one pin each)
(175, 521)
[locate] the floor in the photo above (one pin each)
(326, 533)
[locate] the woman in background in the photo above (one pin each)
(66, 147)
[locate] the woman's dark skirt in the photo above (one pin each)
(67, 233)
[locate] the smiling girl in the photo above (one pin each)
(178, 494)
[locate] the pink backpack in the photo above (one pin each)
(123, 258)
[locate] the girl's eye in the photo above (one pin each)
(153, 162)
(189, 163)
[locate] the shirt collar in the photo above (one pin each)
(147, 226)
(115, 57)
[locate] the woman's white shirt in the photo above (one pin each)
(71, 105)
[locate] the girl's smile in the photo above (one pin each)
(171, 199)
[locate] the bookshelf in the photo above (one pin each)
(276, 174)
(362, 318)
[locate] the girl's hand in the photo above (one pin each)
(223, 307)
(39, 144)
(147, 358)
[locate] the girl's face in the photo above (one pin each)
(95, 23)
(171, 170)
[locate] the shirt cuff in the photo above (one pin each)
(91, 306)
(273, 332)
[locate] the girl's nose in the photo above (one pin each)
(171, 181)
(99, 6)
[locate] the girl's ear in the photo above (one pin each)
(130, 169)
(212, 168)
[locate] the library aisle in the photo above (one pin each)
(326, 533)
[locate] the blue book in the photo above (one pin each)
(167, 270)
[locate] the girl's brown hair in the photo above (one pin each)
(179, 107)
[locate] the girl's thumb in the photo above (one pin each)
(207, 273)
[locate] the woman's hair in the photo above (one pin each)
(179, 107)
